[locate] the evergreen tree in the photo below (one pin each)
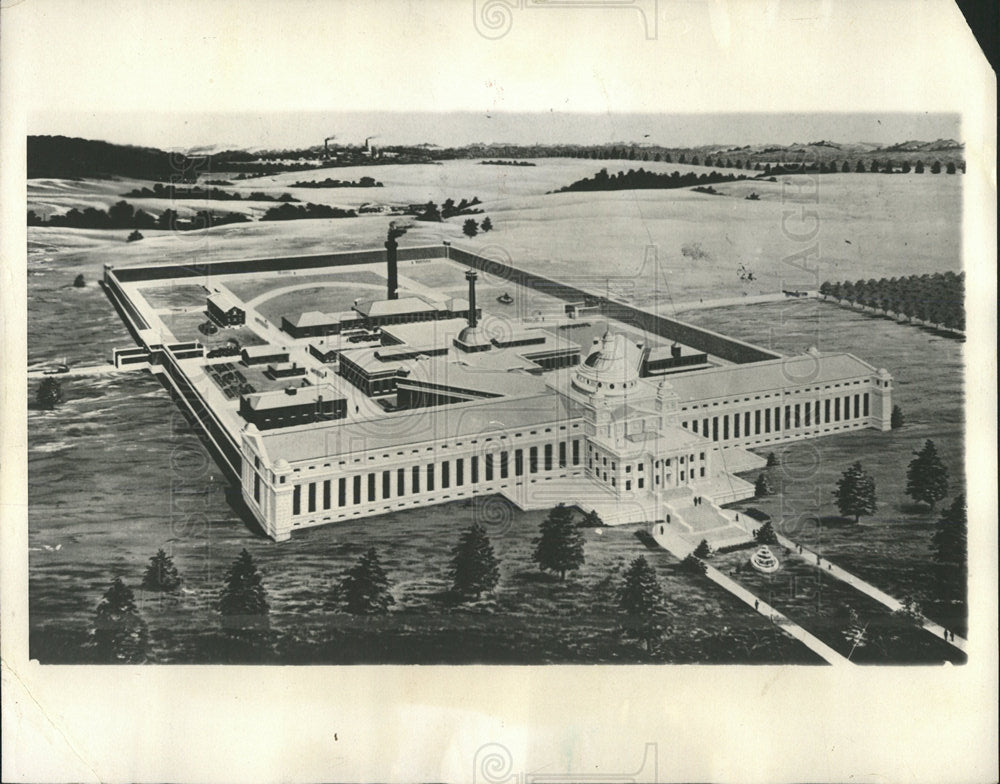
(860, 168)
(161, 574)
(927, 476)
(49, 394)
(702, 550)
(79, 282)
(365, 588)
(641, 599)
(845, 168)
(243, 602)
(762, 487)
(560, 546)
(591, 520)
(936, 167)
(693, 564)
(951, 168)
(486, 225)
(765, 534)
(469, 228)
(919, 168)
(896, 419)
(951, 535)
(120, 634)
(474, 566)
(772, 460)
(855, 493)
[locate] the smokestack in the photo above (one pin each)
(470, 275)
(390, 254)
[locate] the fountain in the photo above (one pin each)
(764, 561)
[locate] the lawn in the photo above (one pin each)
(326, 299)
(184, 327)
(251, 286)
(174, 295)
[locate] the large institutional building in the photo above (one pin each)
(414, 401)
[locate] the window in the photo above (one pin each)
(826, 410)
(865, 401)
(736, 426)
(445, 475)
(342, 492)
(777, 418)
(628, 468)
(767, 420)
(518, 462)
(725, 427)
(694, 426)
(808, 407)
(682, 476)
(504, 465)
(430, 477)
(371, 487)
(798, 415)
(297, 500)
(489, 467)
(642, 467)
(628, 484)
(756, 421)
(256, 487)
(400, 481)
(703, 470)
(533, 460)
(576, 451)
(474, 469)
(415, 479)
(836, 409)
(548, 457)
(641, 482)
(386, 484)
(857, 406)
(459, 472)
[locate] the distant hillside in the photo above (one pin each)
(62, 156)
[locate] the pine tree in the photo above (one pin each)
(950, 537)
(772, 460)
(469, 228)
(919, 168)
(703, 550)
(120, 634)
(762, 487)
(243, 602)
(641, 598)
(474, 566)
(486, 225)
(927, 476)
(560, 546)
(49, 394)
(161, 574)
(855, 493)
(896, 419)
(765, 534)
(591, 520)
(365, 588)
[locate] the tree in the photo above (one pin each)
(765, 534)
(772, 460)
(135, 236)
(591, 520)
(365, 588)
(79, 282)
(703, 550)
(860, 168)
(874, 166)
(919, 168)
(49, 394)
(692, 563)
(950, 538)
(950, 168)
(243, 602)
(560, 546)
(474, 566)
(469, 228)
(845, 168)
(161, 574)
(641, 599)
(762, 487)
(486, 225)
(855, 493)
(936, 167)
(120, 634)
(927, 476)
(906, 167)
(896, 419)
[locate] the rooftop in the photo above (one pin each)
(480, 420)
(294, 396)
(267, 350)
(313, 318)
(804, 369)
(392, 307)
(224, 301)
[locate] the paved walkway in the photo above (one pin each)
(679, 548)
(868, 589)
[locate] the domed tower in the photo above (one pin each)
(612, 368)
(666, 401)
(881, 411)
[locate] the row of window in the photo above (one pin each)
(379, 486)
(737, 401)
(818, 412)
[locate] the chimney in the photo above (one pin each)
(470, 275)
(675, 351)
(390, 254)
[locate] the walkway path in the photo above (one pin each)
(679, 548)
(868, 589)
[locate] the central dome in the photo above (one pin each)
(611, 369)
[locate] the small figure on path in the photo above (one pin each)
(756, 604)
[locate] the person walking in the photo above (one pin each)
(756, 604)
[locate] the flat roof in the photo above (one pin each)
(392, 307)
(801, 370)
(477, 419)
(224, 301)
(426, 333)
(506, 383)
(267, 350)
(280, 398)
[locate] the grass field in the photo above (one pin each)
(250, 287)
(117, 472)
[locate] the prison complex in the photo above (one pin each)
(411, 401)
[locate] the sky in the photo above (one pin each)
(687, 72)
(303, 129)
